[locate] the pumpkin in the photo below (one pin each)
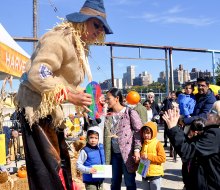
(22, 172)
(133, 97)
(82, 138)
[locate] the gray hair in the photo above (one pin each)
(216, 107)
(150, 94)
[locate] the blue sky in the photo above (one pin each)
(190, 24)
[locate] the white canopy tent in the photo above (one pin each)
(12, 57)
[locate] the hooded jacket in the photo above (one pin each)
(155, 152)
(186, 104)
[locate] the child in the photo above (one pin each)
(187, 100)
(196, 127)
(152, 149)
(91, 154)
(187, 103)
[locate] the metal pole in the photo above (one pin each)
(213, 68)
(171, 69)
(112, 66)
(139, 52)
(167, 73)
(34, 22)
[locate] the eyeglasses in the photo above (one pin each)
(213, 111)
(97, 25)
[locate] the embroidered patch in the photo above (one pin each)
(44, 72)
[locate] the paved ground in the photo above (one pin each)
(172, 173)
(171, 180)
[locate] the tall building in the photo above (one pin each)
(129, 76)
(194, 74)
(180, 75)
(118, 83)
(125, 80)
(143, 79)
(162, 77)
(107, 84)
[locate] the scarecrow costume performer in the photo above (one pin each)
(57, 66)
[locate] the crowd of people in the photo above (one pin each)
(57, 67)
(128, 138)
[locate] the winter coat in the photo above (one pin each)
(155, 153)
(203, 155)
(142, 112)
(167, 104)
(155, 108)
(186, 104)
(128, 137)
(204, 103)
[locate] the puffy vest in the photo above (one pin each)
(154, 169)
(95, 156)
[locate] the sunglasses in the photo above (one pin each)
(97, 25)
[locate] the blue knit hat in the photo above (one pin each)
(91, 9)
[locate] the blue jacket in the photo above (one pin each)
(186, 104)
(204, 103)
(95, 156)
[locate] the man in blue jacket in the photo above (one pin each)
(205, 99)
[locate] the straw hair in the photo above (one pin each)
(82, 48)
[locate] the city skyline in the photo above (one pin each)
(180, 75)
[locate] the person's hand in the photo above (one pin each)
(144, 156)
(80, 99)
(136, 156)
(171, 117)
(102, 99)
(92, 170)
(14, 134)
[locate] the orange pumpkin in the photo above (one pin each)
(22, 172)
(133, 97)
(82, 138)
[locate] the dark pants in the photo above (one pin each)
(172, 151)
(165, 133)
(119, 168)
(46, 156)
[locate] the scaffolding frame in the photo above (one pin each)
(168, 57)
